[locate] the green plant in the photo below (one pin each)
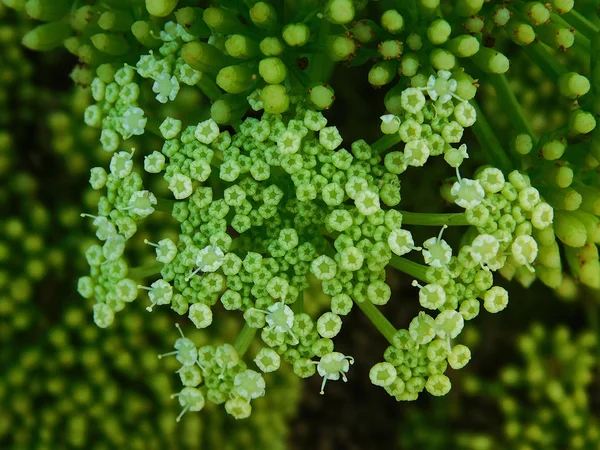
(231, 191)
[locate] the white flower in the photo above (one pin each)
(468, 193)
(166, 87)
(442, 86)
(133, 122)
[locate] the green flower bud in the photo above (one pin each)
(161, 8)
(567, 199)
(466, 87)
(549, 256)
(111, 44)
(115, 21)
(203, 57)
(339, 12)
(275, 99)
(409, 65)
(474, 24)
(553, 150)
(537, 13)
(322, 96)
(501, 16)
(429, 7)
(241, 47)
(569, 229)
(522, 144)
(296, 34)
(273, 70)
(392, 21)
(47, 36)
(191, 20)
(469, 309)
(341, 48)
(464, 46)
(562, 6)
(584, 264)
(145, 33)
(491, 61)
(438, 32)
(442, 59)
(556, 36)
(467, 8)
(364, 31)
(572, 85)
(591, 199)
(222, 21)
(581, 122)
(228, 109)
(414, 42)
(382, 73)
(520, 33)
(235, 79)
(47, 10)
(271, 46)
(263, 15)
(591, 223)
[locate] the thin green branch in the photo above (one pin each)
(385, 142)
(434, 219)
(511, 105)
(378, 319)
(541, 55)
(581, 24)
(409, 267)
(164, 205)
(138, 273)
(489, 142)
(244, 339)
(209, 88)
(298, 305)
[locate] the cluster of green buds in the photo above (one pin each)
(224, 163)
(67, 385)
(74, 390)
(546, 401)
(548, 117)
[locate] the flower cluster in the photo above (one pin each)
(231, 190)
(558, 371)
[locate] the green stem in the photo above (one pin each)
(164, 205)
(409, 267)
(301, 77)
(581, 24)
(511, 105)
(298, 305)
(321, 67)
(209, 88)
(581, 45)
(489, 142)
(378, 319)
(244, 339)
(434, 219)
(137, 273)
(544, 59)
(385, 142)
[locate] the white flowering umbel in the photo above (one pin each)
(332, 366)
(209, 259)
